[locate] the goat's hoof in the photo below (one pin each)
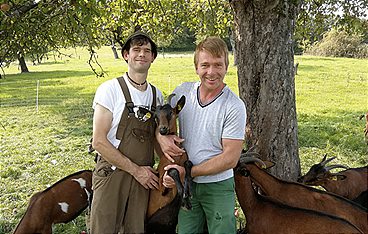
(186, 204)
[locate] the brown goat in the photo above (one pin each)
(267, 215)
(164, 203)
(349, 183)
(299, 195)
(362, 199)
(60, 203)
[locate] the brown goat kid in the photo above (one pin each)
(164, 203)
(60, 203)
(267, 215)
(349, 183)
(299, 195)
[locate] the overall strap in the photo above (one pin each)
(129, 104)
(154, 104)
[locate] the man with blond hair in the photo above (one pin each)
(212, 130)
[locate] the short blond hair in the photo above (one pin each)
(215, 46)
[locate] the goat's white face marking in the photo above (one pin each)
(82, 182)
(64, 206)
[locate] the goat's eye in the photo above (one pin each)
(244, 172)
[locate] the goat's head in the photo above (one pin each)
(165, 115)
(251, 157)
(319, 173)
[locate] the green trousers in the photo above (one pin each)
(213, 203)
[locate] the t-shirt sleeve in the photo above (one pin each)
(235, 121)
(179, 91)
(160, 98)
(104, 96)
(177, 94)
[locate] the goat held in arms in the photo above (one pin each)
(267, 215)
(60, 203)
(349, 183)
(164, 203)
(302, 196)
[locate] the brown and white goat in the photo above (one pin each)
(299, 195)
(60, 203)
(164, 203)
(349, 183)
(267, 215)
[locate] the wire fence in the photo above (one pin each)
(44, 95)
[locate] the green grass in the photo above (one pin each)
(40, 146)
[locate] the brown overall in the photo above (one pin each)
(119, 201)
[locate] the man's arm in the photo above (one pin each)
(226, 160)
(167, 145)
(102, 119)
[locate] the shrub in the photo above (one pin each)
(340, 44)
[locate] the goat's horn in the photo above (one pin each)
(335, 166)
(325, 161)
(249, 154)
(252, 159)
(170, 97)
(324, 158)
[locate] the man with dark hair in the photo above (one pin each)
(123, 173)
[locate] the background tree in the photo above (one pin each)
(317, 17)
(32, 29)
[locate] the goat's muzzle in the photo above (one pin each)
(164, 130)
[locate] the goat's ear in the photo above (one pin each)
(179, 105)
(268, 164)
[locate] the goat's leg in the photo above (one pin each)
(174, 173)
(187, 185)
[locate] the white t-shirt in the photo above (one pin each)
(204, 126)
(110, 95)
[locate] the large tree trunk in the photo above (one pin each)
(265, 60)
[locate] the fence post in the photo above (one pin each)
(38, 85)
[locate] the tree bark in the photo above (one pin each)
(22, 64)
(114, 50)
(265, 57)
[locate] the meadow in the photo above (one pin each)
(46, 118)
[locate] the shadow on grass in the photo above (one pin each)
(310, 68)
(33, 76)
(56, 95)
(6, 226)
(343, 129)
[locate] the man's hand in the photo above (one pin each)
(146, 176)
(169, 182)
(169, 147)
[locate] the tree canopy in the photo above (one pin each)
(32, 28)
